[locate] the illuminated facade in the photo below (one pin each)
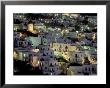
(63, 47)
(55, 44)
(49, 63)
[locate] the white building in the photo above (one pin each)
(63, 47)
(49, 64)
(77, 57)
(75, 70)
(90, 69)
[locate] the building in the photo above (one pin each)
(49, 63)
(62, 47)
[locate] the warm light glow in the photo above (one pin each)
(35, 62)
(94, 36)
(31, 28)
(59, 29)
(24, 55)
(66, 14)
(35, 50)
(66, 31)
(74, 15)
(21, 35)
(14, 55)
(76, 31)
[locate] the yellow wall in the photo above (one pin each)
(30, 27)
(57, 45)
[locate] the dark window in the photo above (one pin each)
(44, 54)
(85, 69)
(45, 67)
(89, 69)
(76, 55)
(51, 56)
(50, 64)
(93, 69)
(66, 47)
(42, 59)
(43, 48)
(52, 70)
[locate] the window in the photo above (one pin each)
(85, 69)
(45, 67)
(89, 69)
(76, 55)
(44, 54)
(51, 56)
(50, 64)
(43, 48)
(42, 59)
(93, 69)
